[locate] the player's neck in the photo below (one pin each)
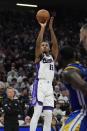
(47, 54)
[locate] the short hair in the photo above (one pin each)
(47, 43)
(14, 79)
(67, 52)
(9, 89)
(84, 27)
(57, 102)
(28, 117)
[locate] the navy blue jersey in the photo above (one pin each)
(77, 98)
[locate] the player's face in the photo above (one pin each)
(45, 48)
(83, 39)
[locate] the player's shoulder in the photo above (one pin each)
(74, 66)
(38, 59)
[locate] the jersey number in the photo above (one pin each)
(51, 67)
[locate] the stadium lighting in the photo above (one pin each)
(28, 5)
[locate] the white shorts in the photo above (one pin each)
(45, 94)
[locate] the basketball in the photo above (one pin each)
(42, 16)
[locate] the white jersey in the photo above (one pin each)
(45, 68)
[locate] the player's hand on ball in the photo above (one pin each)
(43, 24)
(51, 22)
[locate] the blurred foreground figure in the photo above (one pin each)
(74, 77)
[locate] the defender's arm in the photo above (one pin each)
(73, 77)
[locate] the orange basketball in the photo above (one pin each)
(42, 16)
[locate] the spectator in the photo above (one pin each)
(21, 75)
(25, 83)
(63, 97)
(1, 121)
(27, 121)
(56, 92)
(9, 78)
(14, 82)
(24, 101)
(57, 111)
(10, 72)
(11, 110)
(19, 85)
(54, 124)
(30, 81)
(2, 94)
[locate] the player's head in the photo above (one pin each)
(10, 92)
(83, 36)
(45, 48)
(66, 55)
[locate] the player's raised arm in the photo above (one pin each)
(38, 42)
(73, 77)
(54, 40)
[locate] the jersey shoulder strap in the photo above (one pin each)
(77, 66)
(72, 66)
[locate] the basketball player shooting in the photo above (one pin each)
(42, 96)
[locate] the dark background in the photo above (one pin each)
(62, 7)
(75, 4)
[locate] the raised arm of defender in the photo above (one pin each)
(54, 40)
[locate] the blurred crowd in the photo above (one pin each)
(18, 33)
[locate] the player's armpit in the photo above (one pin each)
(74, 78)
(37, 59)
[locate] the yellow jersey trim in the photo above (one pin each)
(71, 67)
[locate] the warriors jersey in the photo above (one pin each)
(77, 120)
(77, 98)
